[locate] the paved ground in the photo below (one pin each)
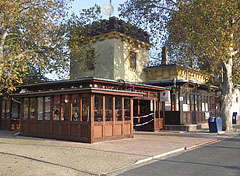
(34, 156)
(218, 159)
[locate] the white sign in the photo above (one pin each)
(165, 96)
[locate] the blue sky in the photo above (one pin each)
(83, 4)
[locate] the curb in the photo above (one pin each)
(175, 151)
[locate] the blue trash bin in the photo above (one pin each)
(215, 124)
(219, 124)
(212, 125)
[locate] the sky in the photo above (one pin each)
(83, 4)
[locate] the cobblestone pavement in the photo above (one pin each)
(34, 156)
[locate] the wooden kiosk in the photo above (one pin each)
(86, 110)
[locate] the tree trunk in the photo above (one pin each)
(227, 95)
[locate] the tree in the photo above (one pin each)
(30, 35)
(203, 32)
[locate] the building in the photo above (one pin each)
(113, 50)
(85, 110)
(192, 100)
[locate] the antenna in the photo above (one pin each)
(108, 9)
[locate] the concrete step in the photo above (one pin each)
(187, 127)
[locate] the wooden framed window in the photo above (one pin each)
(65, 107)
(109, 107)
(90, 57)
(127, 109)
(47, 102)
(85, 107)
(98, 108)
(40, 108)
(132, 59)
(25, 108)
(56, 107)
(118, 108)
(75, 108)
(32, 108)
(16, 109)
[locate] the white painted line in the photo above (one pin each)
(160, 155)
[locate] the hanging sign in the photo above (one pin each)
(165, 96)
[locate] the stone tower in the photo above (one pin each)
(113, 50)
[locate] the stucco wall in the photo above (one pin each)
(104, 50)
(112, 61)
(122, 68)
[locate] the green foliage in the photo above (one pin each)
(204, 33)
(207, 32)
(30, 35)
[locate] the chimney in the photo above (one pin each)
(164, 56)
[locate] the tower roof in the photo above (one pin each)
(115, 24)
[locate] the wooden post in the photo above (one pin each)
(114, 116)
(123, 112)
(181, 107)
(139, 110)
(91, 118)
(21, 115)
(80, 108)
(69, 114)
(104, 117)
(154, 115)
(131, 115)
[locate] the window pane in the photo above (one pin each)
(199, 103)
(75, 108)
(47, 108)
(8, 109)
(109, 108)
(3, 109)
(90, 59)
(40, 108)
(85, 107)
(56, 107)
(65, 107)
(32, 108)
(98, 106)
(127, 108)
(26, 103)
(118, 108)
(132, 60)
(15, 109)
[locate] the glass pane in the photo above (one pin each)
(132, 60)
(25, 104)
(65, 107)
(199, 103)
(98, 107)
(56, 107)
(8, 109)
(118, 108)
(127, 108)
(3, 109)
(40, 108)
(192, 102)
(47, 108)
(15, 109)
(109, 108)
(157, 109)
(32, 108)
(85, 107)
(75, 108)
